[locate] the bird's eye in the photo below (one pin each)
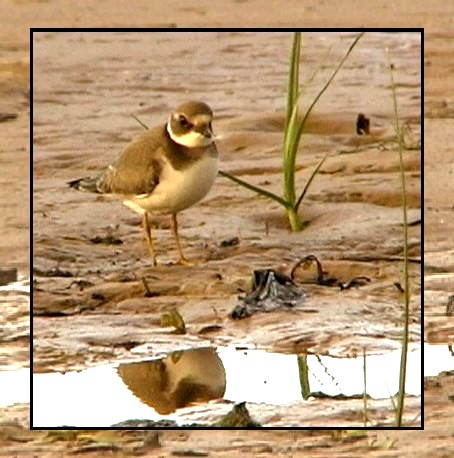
(183, 121)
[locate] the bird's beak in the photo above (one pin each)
(205, 131)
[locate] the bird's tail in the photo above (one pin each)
(88, 184)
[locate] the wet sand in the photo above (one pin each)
(95, 123)
(352, 211)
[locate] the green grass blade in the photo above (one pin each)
(289, 133)
(294, 131)
(291, 121)
(393, 403)
(294, 95)
(251, 187)
(327, 84)
(320, 63)
(290, 157)
(309, 181)
(293, 80)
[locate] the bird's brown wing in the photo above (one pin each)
(138, 168)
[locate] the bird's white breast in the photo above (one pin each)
(178, 189)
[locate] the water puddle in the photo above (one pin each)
(165, 388)
(14, 387)
(20, 287)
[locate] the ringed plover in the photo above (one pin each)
(164, 171)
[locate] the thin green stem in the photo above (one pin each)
(261, 191)
(403, 359)
(293, 80)
(289, 163)
(327, 84)
(140, 122)
(309, 181)
(365, 388)
(304, 376)
(294, 219)
(291, 121)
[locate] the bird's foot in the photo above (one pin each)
(182, 261)
(154, 261)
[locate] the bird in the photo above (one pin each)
(164, 171)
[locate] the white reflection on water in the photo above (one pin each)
(98, 397)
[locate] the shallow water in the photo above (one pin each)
(140, 389)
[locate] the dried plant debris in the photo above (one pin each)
(106, 240)
(450, 306)
(109, 237)
(230, 242)
(80, 284)
(4, 117)
(210, 328)
(399, 286)
(148, 291)
(189, 452)
(322, 277)
(104, 442)
(54, 272)
(271, 291)
(411, 140)
(362, 125)
(354, 282)
(175, 320)
(238, 417)
(145, 424)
